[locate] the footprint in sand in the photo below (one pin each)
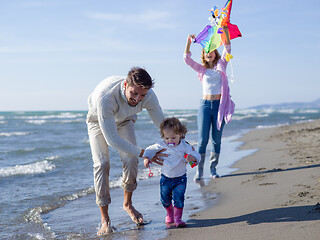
(265, 184)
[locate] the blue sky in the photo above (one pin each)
(53, 53)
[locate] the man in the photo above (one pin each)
(113, 106)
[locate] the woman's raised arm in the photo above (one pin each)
(189, 41)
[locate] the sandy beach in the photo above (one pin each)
(269, 189)
(274, 194)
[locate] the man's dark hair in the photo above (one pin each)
(139, 77)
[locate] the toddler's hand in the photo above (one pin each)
(146, 162)
(191, 158)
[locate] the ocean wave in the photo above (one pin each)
(38, 122)
(20, 151)
(309, 110)
(271, 126)
(8, 134)
(72, 115)
(297, 117)
(52, 158)
(39, 236)
(193, 132)
(169, 113)
(34, 214)
(238, 117)
(42, 121)
(251, 111)
(182, 115)
(240, 114)
(183, 120)
(263, 111)
(77, 195)
(33, 168)
(77, 120)
(306, 120)
(52, 116)
(287, 111)
(180, 111)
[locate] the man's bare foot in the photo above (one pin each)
(133, 213)
(105, 228)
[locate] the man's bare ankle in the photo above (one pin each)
(127, 205)
(105, 221)
(105, 228)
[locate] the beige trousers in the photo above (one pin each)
(101, 160)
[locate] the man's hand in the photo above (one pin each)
(158, 158)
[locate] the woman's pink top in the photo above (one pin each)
(226, 107)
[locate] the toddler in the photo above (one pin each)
(173, 181)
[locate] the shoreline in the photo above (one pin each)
(87, 215)
(275, 193)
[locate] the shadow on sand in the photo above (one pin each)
(286, 214)
(272, 171)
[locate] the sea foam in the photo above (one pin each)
(34, 168)
(9, 134)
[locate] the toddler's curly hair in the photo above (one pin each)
(174, 124)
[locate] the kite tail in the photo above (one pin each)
(231, 77)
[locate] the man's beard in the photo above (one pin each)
(131, 103)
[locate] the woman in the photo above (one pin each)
(216, 107)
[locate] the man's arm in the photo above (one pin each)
(109, 130)
(154, 109)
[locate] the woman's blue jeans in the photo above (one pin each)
(173, 189)
(207, 118)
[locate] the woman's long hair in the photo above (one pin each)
(215, 61)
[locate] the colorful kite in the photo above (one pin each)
(212, 36)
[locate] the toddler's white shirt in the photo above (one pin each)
(175, 164)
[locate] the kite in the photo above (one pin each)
(213, 36)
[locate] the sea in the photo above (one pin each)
(46, 174)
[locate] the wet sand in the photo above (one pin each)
(274, 194)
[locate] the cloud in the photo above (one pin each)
(148, 19)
